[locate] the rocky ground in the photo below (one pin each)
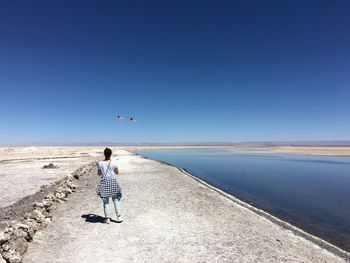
(20, 221)
(22, 173)
(168, 217)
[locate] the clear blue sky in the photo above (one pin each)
(187, 70)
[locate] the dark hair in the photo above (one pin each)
(107, 152)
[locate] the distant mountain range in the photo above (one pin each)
(248, 143)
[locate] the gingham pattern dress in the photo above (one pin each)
(108, 187)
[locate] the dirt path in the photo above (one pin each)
(168, 217)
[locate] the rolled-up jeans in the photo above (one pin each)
(116, 203)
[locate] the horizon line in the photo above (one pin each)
(194, 143)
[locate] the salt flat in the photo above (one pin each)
(20, 167)
(21, 172)
(168, 217)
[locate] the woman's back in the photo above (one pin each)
(107, 169)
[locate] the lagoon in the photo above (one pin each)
(311, 192)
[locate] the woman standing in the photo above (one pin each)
(109, 187)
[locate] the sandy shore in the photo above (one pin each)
(168, 217)
(10, 153)
(307, 150)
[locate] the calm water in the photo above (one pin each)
(312, 192)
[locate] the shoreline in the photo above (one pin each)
(260, 213)
(336, 151)
(338, 240)
(297, 229)
(274, 219)
(168, 216)
(6, 153)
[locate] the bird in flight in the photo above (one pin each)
(120, 118)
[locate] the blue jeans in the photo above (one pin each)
(116, 203)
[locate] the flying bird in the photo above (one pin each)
(131, 119)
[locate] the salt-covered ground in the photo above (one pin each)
(21, 172)
(168, 217)
(33, 152)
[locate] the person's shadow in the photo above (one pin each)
(92, 218)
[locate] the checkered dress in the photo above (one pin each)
(109, 187)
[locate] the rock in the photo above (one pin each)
(12, 256)
(25, 231)
(60, 190)
(50, 166)
(30, 235)
(22, 226)
(27, 215)
(19, 233)
(37, 216)
(7, 246)
(71, 185)
(65, 190)
(14, 240)
(33, 225)
(47, 206)
(47, 203)
(8, 230)
(51, 197)
(38, 205)
(4, 238)
(45, 213)
(21, 245)
(60, 195)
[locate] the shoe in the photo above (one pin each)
(119, 219)
(106, 220)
